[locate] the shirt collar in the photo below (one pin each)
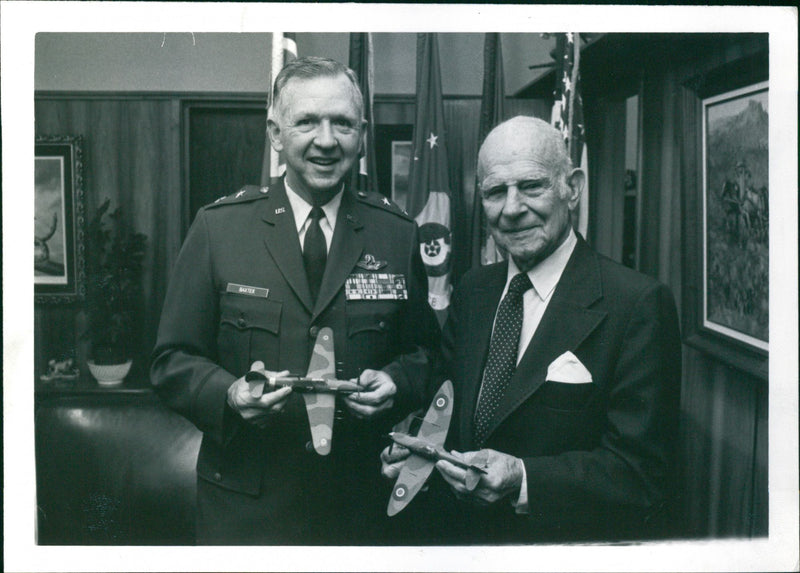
(544, 276)
(301, 208)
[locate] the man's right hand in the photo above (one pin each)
(393, 458)
(254, 410)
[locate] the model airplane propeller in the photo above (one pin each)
(319, 388)
(426, 448)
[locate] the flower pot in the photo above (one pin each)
(109, 374)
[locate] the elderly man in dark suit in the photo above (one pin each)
(260, 273)
(566, 368)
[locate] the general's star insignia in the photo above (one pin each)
(432, 140)
(386, 202)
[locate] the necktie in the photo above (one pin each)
(502, 360)
(315, 251)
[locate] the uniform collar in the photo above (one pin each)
(301, 208)
(544, 276)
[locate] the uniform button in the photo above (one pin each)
(309, 446)
(217, 476)
(313, 331)
(241, 322)
(382, 325)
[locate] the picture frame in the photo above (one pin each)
(59, 219)
(726, 214)
(392, 152)
(401, 165)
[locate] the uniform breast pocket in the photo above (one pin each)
(249, 330)
(371, 330)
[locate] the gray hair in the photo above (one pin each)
(315, 67)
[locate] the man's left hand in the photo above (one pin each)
(377, 396)
(503, 477)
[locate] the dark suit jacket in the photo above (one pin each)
(208, 337)
(599, 457)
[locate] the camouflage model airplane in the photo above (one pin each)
(319, 388)
(426, 448)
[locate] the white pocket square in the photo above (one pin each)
(567, 369)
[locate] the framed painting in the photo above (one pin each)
(727, 217)
(59, 220)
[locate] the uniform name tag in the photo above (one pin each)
(375, 286)
(248, 290)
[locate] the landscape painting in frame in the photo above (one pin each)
(736, 215)
(58, 264)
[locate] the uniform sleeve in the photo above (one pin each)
(420, 336)
(184, 371)
(629, 474)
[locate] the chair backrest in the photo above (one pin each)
(114, 469)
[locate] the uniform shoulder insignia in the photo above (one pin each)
(243, 195)
(375, 199)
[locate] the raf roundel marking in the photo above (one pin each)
(324, 442)
(400, 492)
(326, 337)
(440, 403)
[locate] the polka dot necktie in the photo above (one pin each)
(502, 360)
(315, 251)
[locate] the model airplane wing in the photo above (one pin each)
(321, 406)
(417, 468)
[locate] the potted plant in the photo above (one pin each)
(114, 268)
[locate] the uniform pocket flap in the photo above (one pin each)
(370, 322)
(243, 312)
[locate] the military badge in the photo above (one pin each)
(370, 263)
(375, 286)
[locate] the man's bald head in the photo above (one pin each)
(528, 188)
(524, 136)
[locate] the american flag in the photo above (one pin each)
(567, 115)
(284, 50)
(364, 175)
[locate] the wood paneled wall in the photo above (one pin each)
(724, 411)
(131, 156)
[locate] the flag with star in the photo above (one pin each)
(284, 50)
(484, 249)
(567, 116)
(429, 199)
(363, 176)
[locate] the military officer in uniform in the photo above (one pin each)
(260, 272)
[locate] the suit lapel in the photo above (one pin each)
(565, 324)
(280, 238)
(347, 246)
(479, 329)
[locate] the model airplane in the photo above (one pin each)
(319, 388)
(426, 448)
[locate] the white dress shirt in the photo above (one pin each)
(544, 278)
(302, 209)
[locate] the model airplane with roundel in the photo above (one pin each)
(426, 448)
(318, 387)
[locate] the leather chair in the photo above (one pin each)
(114, 469)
